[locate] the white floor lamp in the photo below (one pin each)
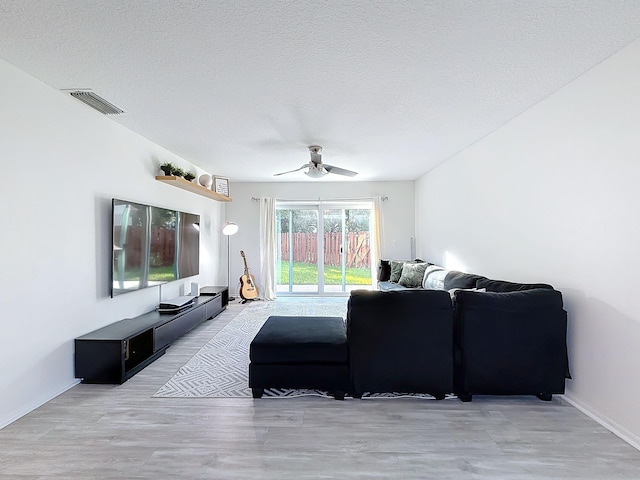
(229, 229)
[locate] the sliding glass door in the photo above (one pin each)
(297, 250)
(347, 254)
(323, 248)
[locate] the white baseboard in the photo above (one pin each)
(35, 404)
(613, 427)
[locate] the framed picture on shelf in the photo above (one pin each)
(221, 185)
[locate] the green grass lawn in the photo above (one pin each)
(162, 274)
(307, 274)
(156, 274)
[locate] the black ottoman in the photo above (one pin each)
(300, 352)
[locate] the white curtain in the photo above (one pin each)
(376, 238)
(268, 247)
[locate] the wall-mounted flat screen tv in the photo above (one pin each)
(152, 245)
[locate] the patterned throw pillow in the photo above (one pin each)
(396, 270)
(412, 274)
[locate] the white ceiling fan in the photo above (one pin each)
(316, 168)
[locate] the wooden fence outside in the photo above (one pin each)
(305, 248)
(162, 246)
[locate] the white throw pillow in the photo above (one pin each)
(434, 278)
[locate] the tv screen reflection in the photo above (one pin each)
(152, 245)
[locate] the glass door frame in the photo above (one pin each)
(298, 205)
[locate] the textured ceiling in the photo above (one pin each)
(240, 88)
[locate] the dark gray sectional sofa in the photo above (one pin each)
(400, 342)
(457, 333)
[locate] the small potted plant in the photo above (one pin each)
(189, 176)
(167, 168)
(177, 171)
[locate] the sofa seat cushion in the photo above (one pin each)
(392, 286)
(300, 340)
(502, 286)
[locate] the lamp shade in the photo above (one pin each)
(230, 228)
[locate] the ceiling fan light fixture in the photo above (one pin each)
(317, 169)
(315, 172)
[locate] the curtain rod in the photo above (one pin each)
(384, 198)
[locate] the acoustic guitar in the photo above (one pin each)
(248, 289)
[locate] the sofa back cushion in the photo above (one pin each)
(502, 286)
(455, 279)
(510, 343)
(384, 271)
(400, 341)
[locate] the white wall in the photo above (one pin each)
(554, 196)
(62, 162)
(397, 215)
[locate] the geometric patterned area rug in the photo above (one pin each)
(221, 368)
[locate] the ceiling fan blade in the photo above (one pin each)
(339, 171)
(291, 171)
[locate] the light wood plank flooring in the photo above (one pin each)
(121, 432)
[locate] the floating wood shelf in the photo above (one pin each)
(193, 188)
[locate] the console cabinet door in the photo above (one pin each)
(171, 331)
(99, 361)
(213, 308)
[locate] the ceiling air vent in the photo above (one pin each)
(97, 102)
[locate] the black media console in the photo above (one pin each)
(115, 353)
